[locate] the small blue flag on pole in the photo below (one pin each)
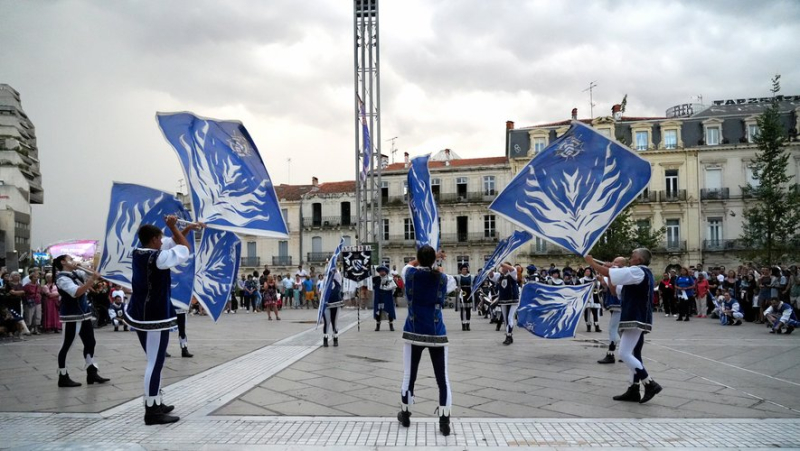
(422, 205)
(216, 266)
(550, 311)
(366, 141)
(504, 248)
(328, 281)
(571, 191)
(132, 206)
(230, 187)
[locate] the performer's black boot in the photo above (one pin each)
(650, 389)
(65, 381)
(92, 376)
(185, 352)
(325, 341)
(155, 414)
(377, 326)
(335, 341)
(444, 420)
(609, 358)
(463, 327)
(391, 326)
(116, 328)
(404, 416)
(499, 323)
(588, 328)
(125, 327)
(509, 340)
(597, 328)
(468, 326)
(631, 395)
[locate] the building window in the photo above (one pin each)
(462, 260)
(385, 229)
(605, 131)
(316, 244)
(670, 139)
(750, 175)
(283, 248)
(671, 181)
(435, 183)
(405, 190)
(643, 225)
(346, 240)
(712, 136)
(752, 133)
(489, 230)
(489, 185)
(539, 144)
(541, 246)
(408, 226)
(316, 214)
(673, 233)
(714, 231)
(642, 140)
(251, 248)
(386, 262)
(713, 179)
(461, 188)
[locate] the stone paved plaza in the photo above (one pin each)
(269, 385)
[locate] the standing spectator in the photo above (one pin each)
(684, 287)
(794, 289)
(747, 288)
(33, 302)
(15, 295)
(250, 288)
(764, 293)
(300, 272)
(783, 285)
(703, 290)
(271, 298)
(51, 304)
(288, 291)
(298, 289)
(667, 292)
(713, 285)
(308, 291)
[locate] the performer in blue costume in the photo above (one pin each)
(331, 312)
(508, 298)
(150, 311)
(426, 289)
(466, 300)
(780, 315)
(613, 304)
(76, 315)
(383, 299)
(636, 319)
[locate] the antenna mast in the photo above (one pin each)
(591, 87)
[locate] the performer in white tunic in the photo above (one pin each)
(591, 312)
(612, 303)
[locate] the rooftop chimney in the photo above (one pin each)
(509, 125)
(574, 114)
(314, 181)
(616, 111)
(406, 160)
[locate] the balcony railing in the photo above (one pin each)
(647, 196)
(724, 245)
(469, 238)
(282, 260)
(318, 257)
(671, 246)
(672, 196)
(251, 261)
(446, 198)
(330, 221)
(715, 193)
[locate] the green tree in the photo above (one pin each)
(623, 236)
(770, 226)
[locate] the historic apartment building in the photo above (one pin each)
(20, 178)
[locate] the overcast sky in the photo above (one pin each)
(92, 74)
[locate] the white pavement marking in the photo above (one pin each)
(198, 396)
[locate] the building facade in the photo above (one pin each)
(20, 178)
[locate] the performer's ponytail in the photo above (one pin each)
(58, 265)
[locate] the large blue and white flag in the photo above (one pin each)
(327, 282)
(216, 265)
(571, 191)
(550, 311)
(230, 187)
(131, 206)
(504, 248)
(422, 205)
(366, 141)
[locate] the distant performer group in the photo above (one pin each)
(624, 287)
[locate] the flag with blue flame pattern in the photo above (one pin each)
(327, 283)
(504, 248)
(550, 311)
(216, 265)
(571, 191)
(229, 184)
(366, 157)
(131, 207)
(421, 203)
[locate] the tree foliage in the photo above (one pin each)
(623, 236)
(770, 227)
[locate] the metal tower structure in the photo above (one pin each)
(367, 100)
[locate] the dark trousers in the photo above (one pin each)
(83, 329)
(412, 354)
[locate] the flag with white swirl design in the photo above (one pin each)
(550, 311)
(327, 283)
(422, 205)
(504, 248)
(570, 192)
(216, 265)
(132, 206)
(229, 184)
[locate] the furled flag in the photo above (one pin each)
(230, 187)
(550, 311)
(504, 248)
(131, 206)
(422, 205)
(357, 262)
(366, 156)
(327, 283)
(571, 191)
(216, 265)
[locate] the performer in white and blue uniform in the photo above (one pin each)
(636, 320)
(466, 299)
(181, 311)
(507, 298)
(383, 297)
(150, 311)
(116, 309)
(533, 274)
(613, 304)
(730, 313)
(426, 289)
(76, 316)
(331, 312)
(780, 315)
(592, 308)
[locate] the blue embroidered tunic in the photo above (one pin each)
(426, 291)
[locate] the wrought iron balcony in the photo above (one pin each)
(724, 245)
(318, 257)
(671, 246)
(715, 193)
(250, 261)
(281, 260)
(647, 196)
(672, 196)
(469, 238)
(330, 221)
